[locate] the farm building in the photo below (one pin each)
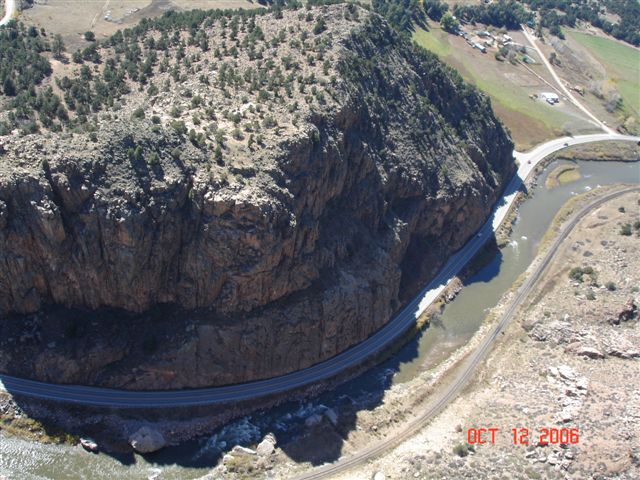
(482, 48)
(550, 97)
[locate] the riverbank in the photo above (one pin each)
(607, 151)
(565, 363)
(562, 175)
(600, 151)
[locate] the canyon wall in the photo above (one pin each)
(123, 273)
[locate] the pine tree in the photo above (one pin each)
(9, 87)
(57, 46)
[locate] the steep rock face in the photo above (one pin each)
(159, 276)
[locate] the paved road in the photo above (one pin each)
(464, 374)
(78, 394)
(10, 10)
(531, 38)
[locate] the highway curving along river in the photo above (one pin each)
(105, 397)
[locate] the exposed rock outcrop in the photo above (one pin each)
(160, 275)
(89, 444)
(147, 440)
(267, 446)
(628, 312)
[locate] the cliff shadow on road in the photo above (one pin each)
(308, 431)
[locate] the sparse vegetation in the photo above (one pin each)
(578, 273)
(562, 175)
(622, 72)
(625, 229)
(22, 426)
(463, 449)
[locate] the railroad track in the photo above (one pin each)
(472, 362)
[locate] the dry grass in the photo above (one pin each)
(22, 426)
(562, 175)
(611, 151)
(71, 18)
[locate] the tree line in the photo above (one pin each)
(510, 14)
(502, 14)
(627, 29)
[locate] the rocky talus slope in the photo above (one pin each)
(141, 258)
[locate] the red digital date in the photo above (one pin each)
(520, 436)
(554, 435)
(480, 436)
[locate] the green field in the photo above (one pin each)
(622, 64)
(530, 121)
(434, 40)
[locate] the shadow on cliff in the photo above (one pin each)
(313, 431)
(324, 441)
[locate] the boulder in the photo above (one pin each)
(627, 353)
(331, 415)
(378, 476)
(530, 323)
(313, 420)
(567, 372)
(565, 416)
(589, 352)
(582, 383)
(239, 451)
(89, 444)
(628, 312)
(553, 459)
(146, 440)
(267, 446)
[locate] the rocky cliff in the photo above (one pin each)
(138, 256)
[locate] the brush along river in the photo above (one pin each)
(459, 321)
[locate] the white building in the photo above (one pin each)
(550, 97)
(482, 48)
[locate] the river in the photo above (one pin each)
(460, 320)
